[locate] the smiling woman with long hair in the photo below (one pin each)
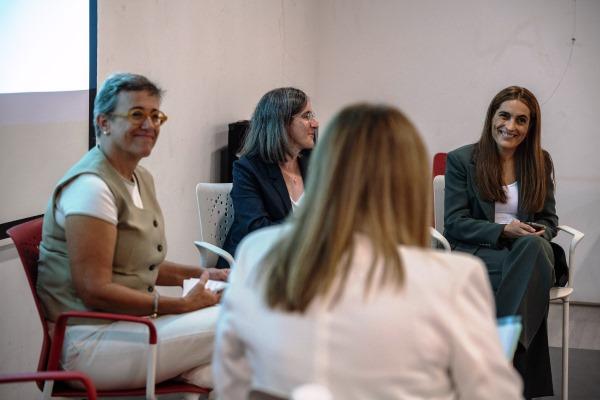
(499, 206)
(348, 295)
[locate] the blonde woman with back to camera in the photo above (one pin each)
(347, 295)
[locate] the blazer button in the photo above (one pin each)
(151, 268)
(155, 223)
(150, 289)
(159, 247)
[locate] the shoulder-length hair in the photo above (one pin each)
(369, 174)
(267, 136)
(532, 163)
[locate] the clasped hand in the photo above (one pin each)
(517, 229)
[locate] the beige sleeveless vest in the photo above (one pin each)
(139, 250)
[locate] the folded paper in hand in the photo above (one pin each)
(213, 286)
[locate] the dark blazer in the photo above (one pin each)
(469, 220)
(260, 197)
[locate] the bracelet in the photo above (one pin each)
(155, 305)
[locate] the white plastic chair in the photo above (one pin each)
(215, 210)
(439, 238)
(557, 294)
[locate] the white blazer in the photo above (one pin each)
(434, 338)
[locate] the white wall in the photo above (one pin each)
(215, 59)
(442, 62)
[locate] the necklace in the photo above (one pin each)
(293, 178)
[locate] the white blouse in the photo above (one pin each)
(296, 204)
(507, 212)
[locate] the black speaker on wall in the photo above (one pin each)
(235, 139)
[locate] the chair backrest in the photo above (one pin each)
(439, 164)
(439, 185)
(215, 210)
(27, 237)
(438, 171)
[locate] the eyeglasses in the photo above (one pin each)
(137, 116)
(307, 116)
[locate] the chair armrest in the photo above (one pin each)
(440, 238)
(201, 246)
(52, 376)
(59, 337)
(577, 235)
(576, 238)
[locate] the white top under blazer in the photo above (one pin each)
(435, 338)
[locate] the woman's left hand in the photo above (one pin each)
(218, 274)
(517, 229)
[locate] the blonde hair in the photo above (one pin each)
(368, 174)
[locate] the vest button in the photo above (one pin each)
(150, 289)
(159, 247)
(151, 268)
(155, 223)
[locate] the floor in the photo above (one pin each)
(584, 331)
(584, 353)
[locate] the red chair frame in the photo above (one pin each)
(27, 237)
(90, 389)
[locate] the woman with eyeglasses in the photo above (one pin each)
(268, 179)
(349, 295)
(103, 248)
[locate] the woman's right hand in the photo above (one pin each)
(200, 297)
(517, 229)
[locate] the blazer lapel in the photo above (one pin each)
(487, 207)
(303, 162)
(523, 215)
(279, 185)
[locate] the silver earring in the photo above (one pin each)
(106, 132)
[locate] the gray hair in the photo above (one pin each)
(106, 99)
(267, 136)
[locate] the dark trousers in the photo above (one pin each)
(521, 274)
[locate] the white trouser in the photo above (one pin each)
(115, 355)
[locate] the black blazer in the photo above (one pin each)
(469, 220)
(260, 197)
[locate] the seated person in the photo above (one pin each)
(268, 179)
(494, 188)
(348, 294)
(103, 249)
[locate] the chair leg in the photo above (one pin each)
(565, 351)
(47, 392)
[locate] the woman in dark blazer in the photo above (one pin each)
(268, 179)
(499, 206)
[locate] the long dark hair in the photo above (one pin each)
(532, 163)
